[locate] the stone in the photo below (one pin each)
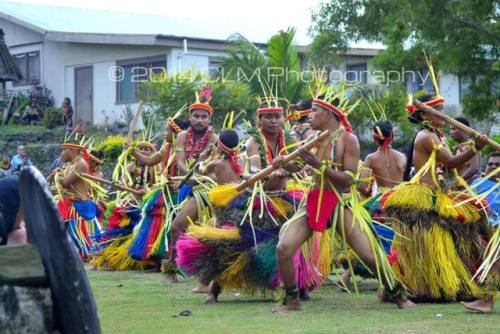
(25, 310)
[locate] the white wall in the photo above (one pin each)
(102, 58)
(198, 60)
(450, 89)
(17, 35)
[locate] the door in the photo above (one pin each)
(84, 95)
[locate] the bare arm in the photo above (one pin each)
(365, 187)
(210, 171)
(450, 161)
(473, 168)
(180, 153)
(72, 177)
(252, 148)
(145, 160)
(349, 163)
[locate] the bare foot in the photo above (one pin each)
(213, 295)
(202, 288)
(481, 305)
(291, 305)
(405, 304)
(170, 278)
(211, 299)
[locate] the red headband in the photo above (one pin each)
(232, 154)
(74, 146)
(269, 110)
(411, 108)
(335, 110)
(201, 106)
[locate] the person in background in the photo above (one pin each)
(484, 185)
(20, 160)
(67, 114)
(12, 231)
(31, 113)
(5, 166)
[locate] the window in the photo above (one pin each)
(134, 72)
(29, 66)
(356, 73)
(214, 67)
(419, 80)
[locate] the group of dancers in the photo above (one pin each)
(288, 205)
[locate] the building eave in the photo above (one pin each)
(22, 23)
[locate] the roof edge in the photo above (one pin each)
(23, 23)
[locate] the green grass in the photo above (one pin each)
(140, 303)
(18, 128)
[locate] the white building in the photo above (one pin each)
(75, 53)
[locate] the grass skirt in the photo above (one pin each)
(80, 219)
(439, 241)
(116, 239)
(243, 256)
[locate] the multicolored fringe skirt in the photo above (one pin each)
(439, 240)
(116, 238)
(80, 220)
(242, 258)
(150, 237)
(242, 253)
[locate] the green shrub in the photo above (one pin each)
(53, 117)
(112, 146)
(488, 149)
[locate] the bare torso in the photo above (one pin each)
(222, 172)
(337, 154)
(78, 188)
(277, 180)
(421, 154)
(387, 167)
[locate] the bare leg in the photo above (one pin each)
(179, 225)
(361, 245)
(213, 294)
(486, 304)
(202, 288)
(291, 239)
(17, 237)
(181, 221)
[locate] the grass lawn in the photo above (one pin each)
(19, 128)
(131, 302)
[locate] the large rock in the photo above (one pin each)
(25, 310)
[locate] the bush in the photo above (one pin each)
(53, 117)
(488, 149)
(112, 146)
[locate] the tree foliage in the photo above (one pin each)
(277, 68)
(461, 36)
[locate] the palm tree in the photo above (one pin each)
(276, 69)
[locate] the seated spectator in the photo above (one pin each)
(20, 160)
(12, 231)
(5, 166)
(31, 113)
